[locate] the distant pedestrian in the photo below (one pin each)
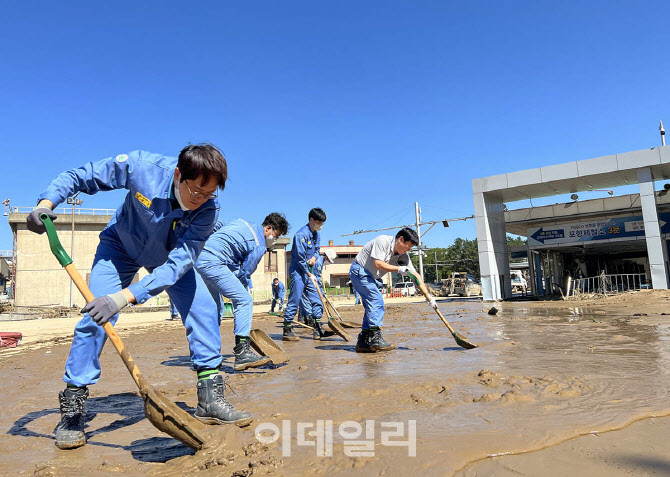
(278, 292)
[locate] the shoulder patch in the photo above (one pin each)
(143, 200)
(122, 158)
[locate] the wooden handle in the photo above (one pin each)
(444, 320)
(323, 302)
(109, 329)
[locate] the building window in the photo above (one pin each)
(270, 262)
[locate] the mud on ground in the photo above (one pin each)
(545, 372)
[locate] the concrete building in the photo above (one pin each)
(41, 281)
(627, 233)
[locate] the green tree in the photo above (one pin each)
(461, 256)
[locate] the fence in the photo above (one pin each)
(66, 210)
(609, 283)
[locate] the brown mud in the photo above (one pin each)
(544, 373)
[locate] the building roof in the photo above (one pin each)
(599, 173)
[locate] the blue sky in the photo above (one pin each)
(361, 108)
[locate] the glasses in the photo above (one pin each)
(200, 195)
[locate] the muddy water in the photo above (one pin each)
(541, 375)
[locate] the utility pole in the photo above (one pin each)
(74, 201)
(662, 129)
(417, 212)
(437, 277)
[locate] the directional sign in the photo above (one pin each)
(593, 230)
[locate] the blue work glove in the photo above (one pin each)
(34, 222)
(103, 308)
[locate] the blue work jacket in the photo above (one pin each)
(306, 244)
(278, 291)
(150, 227)
(239, 245)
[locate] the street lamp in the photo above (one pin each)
(6, 204)
(73, 201)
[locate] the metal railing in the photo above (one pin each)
(65, 211)
(605, 284)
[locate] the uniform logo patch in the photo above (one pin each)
(122, 158)
(144, 200)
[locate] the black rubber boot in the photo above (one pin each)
(377, 341)
(213, 407)
(289, 334)
(318, 332)
(363, 343)
(245, 356)
(70, 430)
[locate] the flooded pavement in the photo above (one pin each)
(544, 372)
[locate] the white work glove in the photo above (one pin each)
(402, 270)
(432, 302)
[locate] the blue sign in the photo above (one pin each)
(618, 227)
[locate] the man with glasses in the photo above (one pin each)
(226, 264)
(162, 225)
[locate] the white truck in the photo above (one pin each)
(519, 283)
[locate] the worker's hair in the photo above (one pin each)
(317, 214)
(409, 235)
(205, 161)
(277, 221)
(275, 279)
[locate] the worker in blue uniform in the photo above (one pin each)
(229, 258)
(278, 292)
(311, 306)
(305, 250)
(162, 225)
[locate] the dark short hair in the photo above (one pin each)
(317, 214)
(205, 161)
(277, 221)
(275, 279)
(409, 235)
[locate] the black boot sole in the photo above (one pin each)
(254, 364)
(290, 338)
(361, 349)
(382, 348)
(239, 423)
(64, 445)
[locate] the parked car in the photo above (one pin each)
(406, 288)
(471, 287)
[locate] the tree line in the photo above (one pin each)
(461, 256)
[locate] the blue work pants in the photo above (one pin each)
(222, 281)
(112, 271)
(370, 290)
(300, 284)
